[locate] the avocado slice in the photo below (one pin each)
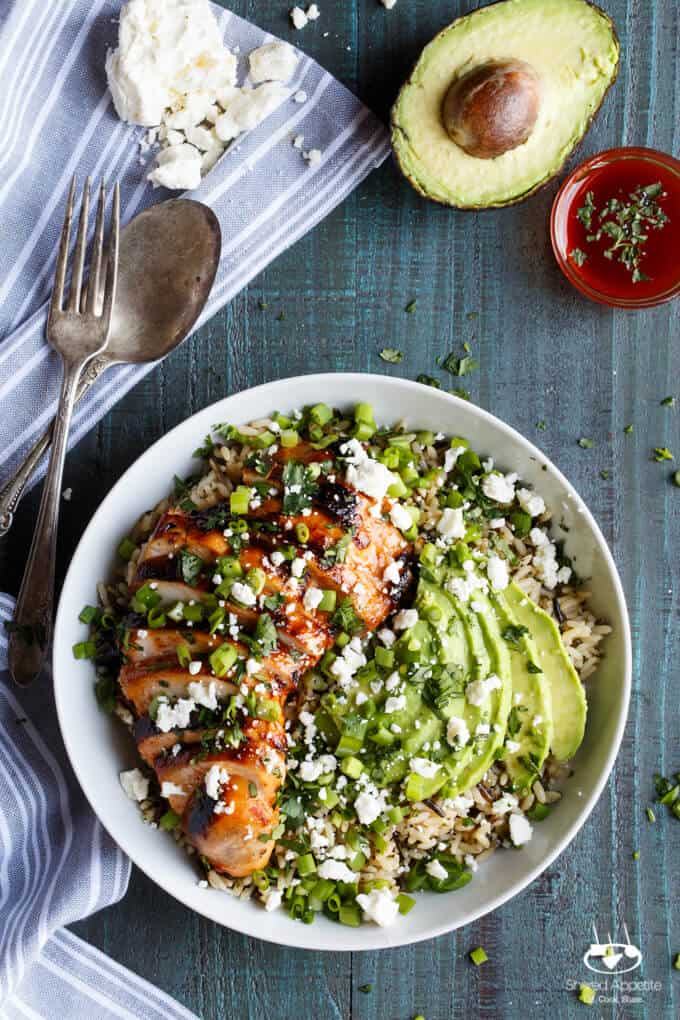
(531, 700)
(567, 696)
(516, 84)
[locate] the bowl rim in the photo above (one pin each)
(325, 381)
(580, 173)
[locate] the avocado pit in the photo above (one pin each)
(493, 108)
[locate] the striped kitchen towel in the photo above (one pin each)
(57, 119)
(57, 865)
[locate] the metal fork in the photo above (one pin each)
(78, 329)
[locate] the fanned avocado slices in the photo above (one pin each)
(500, 98)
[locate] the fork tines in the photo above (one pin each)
(104, 263)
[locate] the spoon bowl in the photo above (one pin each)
(169, 256)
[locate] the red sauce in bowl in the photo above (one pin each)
(616, 174)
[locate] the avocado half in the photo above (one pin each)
(567, 49)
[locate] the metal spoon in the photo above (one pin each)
(169, 256)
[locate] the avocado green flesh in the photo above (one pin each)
(531, 708)
(537, 711)
(572, 47)
(567, 696)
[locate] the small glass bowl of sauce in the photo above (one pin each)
(615, 228)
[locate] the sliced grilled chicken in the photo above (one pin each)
(347, 548)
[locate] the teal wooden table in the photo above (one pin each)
(546, 355)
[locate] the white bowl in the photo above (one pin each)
(99, 748)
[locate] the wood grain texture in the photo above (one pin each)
(545, 353)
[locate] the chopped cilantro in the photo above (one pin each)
(460, 392)
(428, 380)
(577, 256)
(189, 566)
(411, 306)
(628, 430)
(459, 366)
(541, 425)
(662, 453)
(512, 634)
(298, 488)
(668, 402)
(344, 618)
(391, 355)
(604, 474)
(585, 443)
(514, 720)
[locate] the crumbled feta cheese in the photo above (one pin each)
(243, 593)
(477, 691)
(175, 717)
(462, 804)
(272, 899)
(400, 517)
(451, 458)
(405, 619)
(247, 108)
(313, 156)
(504, 804)
(313, 12)
(300, 97)
(336, 871)
(298, 141)
(363, 473)
(387, 636)
(520, 829)
(298, 17)
(369, 805)
(529, 501)
(277, 558)
(392, 573)
(513, 746)
(195, 667)
(457, 731)
(499, 488)
(297, 567)
(252, 667)
(497, 572)
(204, 694)
(483, 729)
(424, 767)
(171, 790)
(180, 171)
(310, 771)
(437, 870)
(135, 784)
(451, 524)
(273, 62)
(379, 906)
(395, 704)
(312, 599)
(215, 778)
(67, 495)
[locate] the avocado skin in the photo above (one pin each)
(397, 129)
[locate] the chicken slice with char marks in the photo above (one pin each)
(347, 548)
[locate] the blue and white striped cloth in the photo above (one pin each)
(56, 120)
(57, 864)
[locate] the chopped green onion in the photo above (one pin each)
(320, 414)
(351, 767)
(239, 501)
(586, 994)
(585, 443)
(650, 815)
(478, 956)
(406, 903)
(628, 430)
(170, 820)
(302, 532)
(193, 613)
(662, 453)
(156, 618)
(306, 865)
(289, 438)
(384, 657)
(676, 479)
(256, 579)
(328, 601)
(252, 790)
(84, 650)
(676, 962)
(88, 614)
(261, 879)
(145, 598)
(183, 655)
(537, 812)
(636, 855)
(222, 659)
(349, 914)
(668, 402)
(126, 549)
(365, 989)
